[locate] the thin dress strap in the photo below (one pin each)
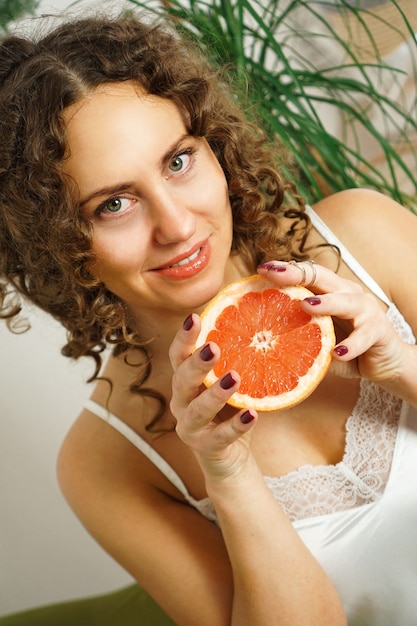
(140, 444)
(348, 258)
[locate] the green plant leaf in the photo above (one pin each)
(11, 10)
(290, 61)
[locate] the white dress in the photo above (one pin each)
(358, 517)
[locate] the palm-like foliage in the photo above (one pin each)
(11, 10)
(298, 70)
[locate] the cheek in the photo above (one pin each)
(219, 197)
(110, 260)
(118, 248)
(214, 182)
(227, 211)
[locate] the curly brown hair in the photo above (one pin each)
(45, 243)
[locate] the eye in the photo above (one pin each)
(180, 162)
(114, 205)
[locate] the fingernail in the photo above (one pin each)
(341, 350)
(313, 300)
(277, 268)
(188, 322)
(270, 266)
(206, 353)
(227, 381)
(246, 417)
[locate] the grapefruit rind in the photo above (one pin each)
(306, 384)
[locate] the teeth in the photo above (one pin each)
(187, 260)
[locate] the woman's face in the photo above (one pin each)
(157, 199)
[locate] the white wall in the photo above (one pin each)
(45, 554)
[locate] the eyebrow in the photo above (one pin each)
(124, 186)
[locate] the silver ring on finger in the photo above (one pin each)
(302, 270)
(314, 274)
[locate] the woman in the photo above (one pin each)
(132, 190)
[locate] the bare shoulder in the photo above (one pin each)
(96, 465)
(381, 235)
(364, 211)
(122, 501)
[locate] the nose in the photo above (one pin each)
(172, 220)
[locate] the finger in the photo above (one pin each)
(380, 337)
(311, 275)
(223, 448)
(356, 308)
(356, 314)
(190, 374)
(369, 325)
(187, 385)
(345, 369)
(184, 341)
(202, 414)
(214, 434)
(227, 432)
(213, 399)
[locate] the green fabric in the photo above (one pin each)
(130, 606)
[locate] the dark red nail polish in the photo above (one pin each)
(206, 353)
(313, 300)
(341, 350)
(273, 267)
(277, 268)
(246, 417)
(227, 381)
(188, 323)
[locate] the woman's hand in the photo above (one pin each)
(218, 436)
(372, 348)
(263, 548)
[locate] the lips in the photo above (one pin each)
(184, 258)
(186, 266)
(187, 259)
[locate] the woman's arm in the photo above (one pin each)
(382, 235)
(136, 515)
(182, 559)
(276, 580)
(275, 577)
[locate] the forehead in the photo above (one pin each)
(117, 121)
(112, 102)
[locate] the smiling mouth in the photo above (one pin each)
(188, 259)
(182, 267)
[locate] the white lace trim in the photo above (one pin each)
(361, 477)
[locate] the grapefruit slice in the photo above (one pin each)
(280, 352)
